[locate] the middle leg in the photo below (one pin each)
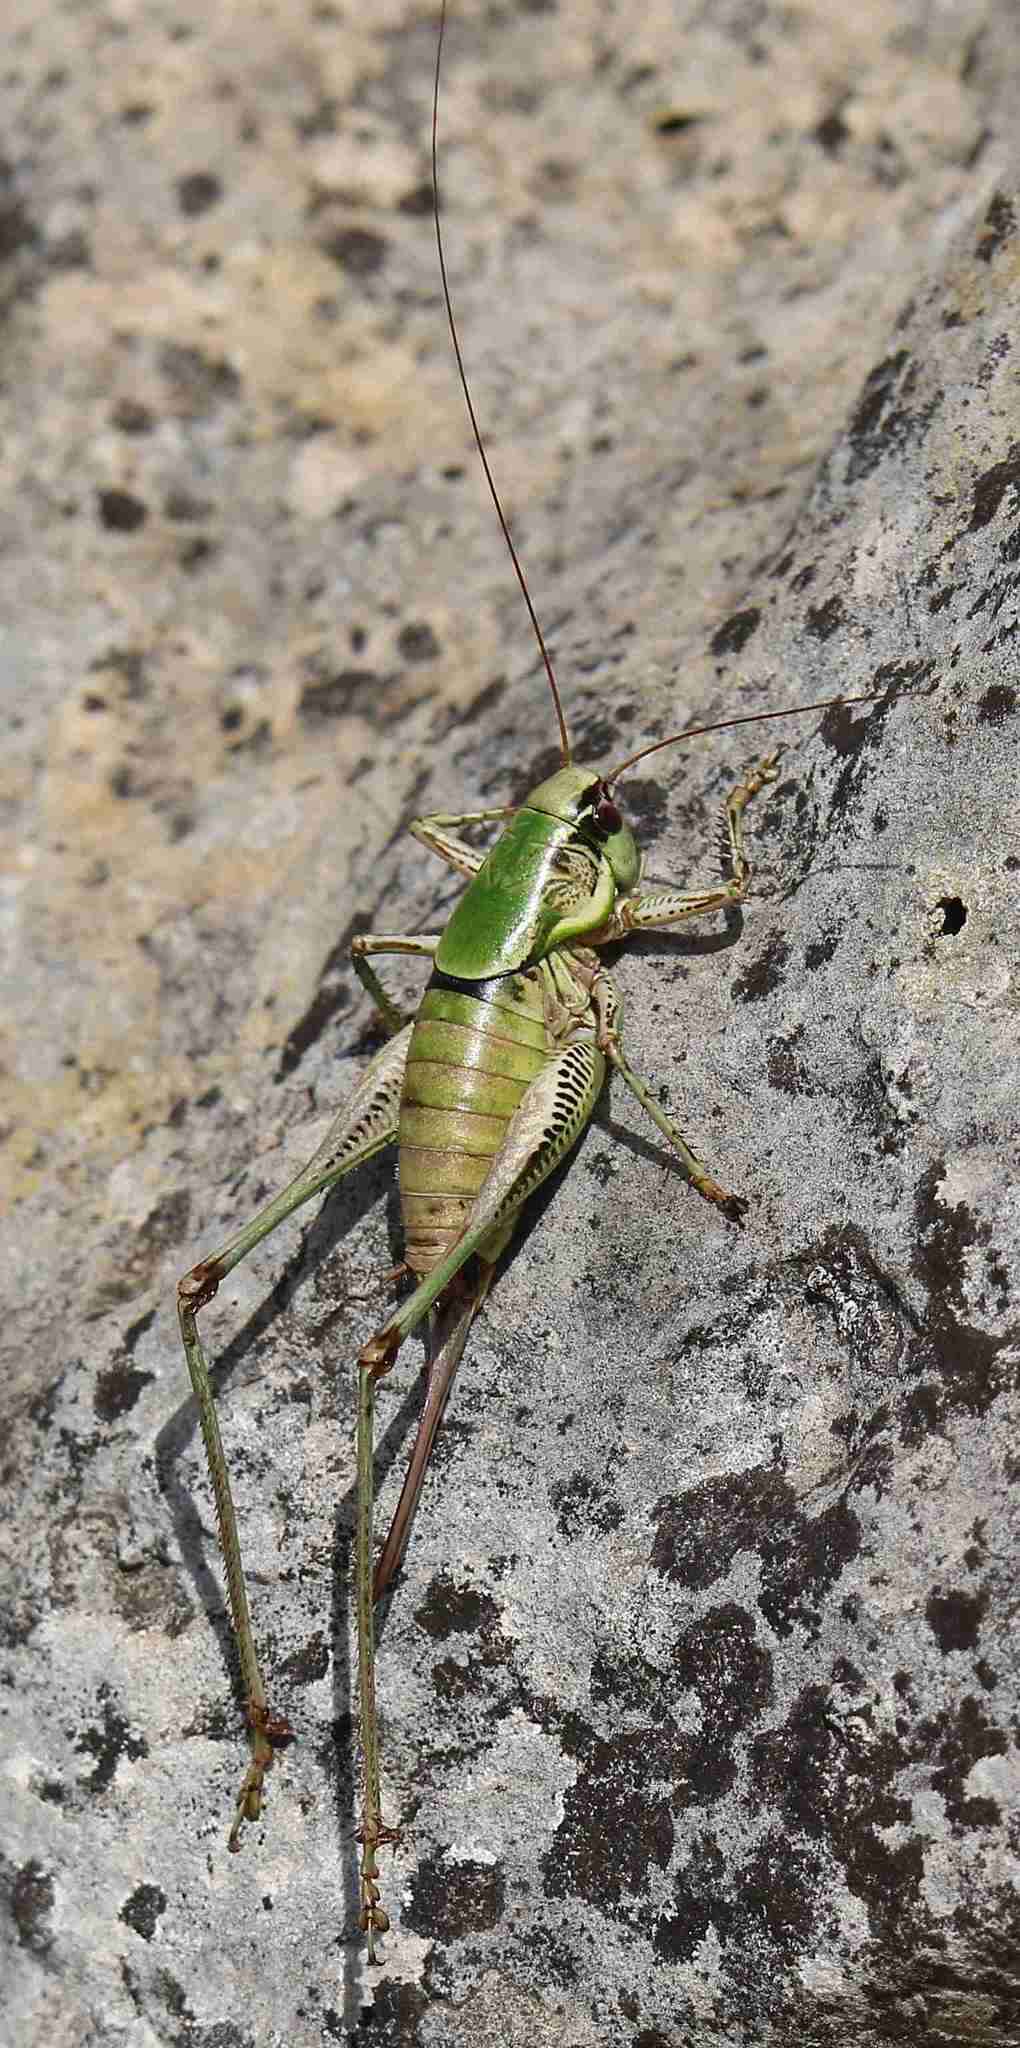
(609, 1010)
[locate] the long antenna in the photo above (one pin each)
(719, 725)
(479, 443)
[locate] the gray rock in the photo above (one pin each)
(699, 1687)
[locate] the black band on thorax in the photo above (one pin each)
(483, 991)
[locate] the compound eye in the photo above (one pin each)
(607, 817)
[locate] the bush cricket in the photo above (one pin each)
(484, 1091)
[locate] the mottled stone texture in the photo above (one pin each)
(700, 1687)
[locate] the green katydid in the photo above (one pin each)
(484, 1092)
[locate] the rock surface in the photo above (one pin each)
(700, 1687)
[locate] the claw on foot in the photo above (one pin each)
(268, 1732)
(373, 1918)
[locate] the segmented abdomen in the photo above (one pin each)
(471, 1058)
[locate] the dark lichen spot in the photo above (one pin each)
(351, 690)
(764, 975)
(72, 251)
(198, 382)
(322, 120)
(449, 1610)
(614, 1827)
(121, 512)
(879, 386)
(990, 488)
(396, 2010)
(130, 416)
(118, 1387)
(954, 1362)
(107, 1741)
(888, 168)
(735, 632)
(173, 1996)
(197, 192)
(818, 952)
(781, 1895)
(955, 1618)
(949, 1744)
(451, 1899)
(899, 678)
(831, 132)
(883, 423)
(190, 557)
(142, 1910)
(417, 642)
(699, 1533)
(721, 1660)
(833, 1776)
(166, 1223)
(33, 1896)
(454, 1680)
(801, 1558)
(999, 349)
(417, 203)
(999, 224)
(823, 620)
(184, 509)
(786, 1071)
(602, 1167)
(582, 1504)
(629, 1684)
(359, 252)
(127, 664)
(700, 1900)
(17, 228)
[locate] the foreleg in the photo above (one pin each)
(655, 907)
